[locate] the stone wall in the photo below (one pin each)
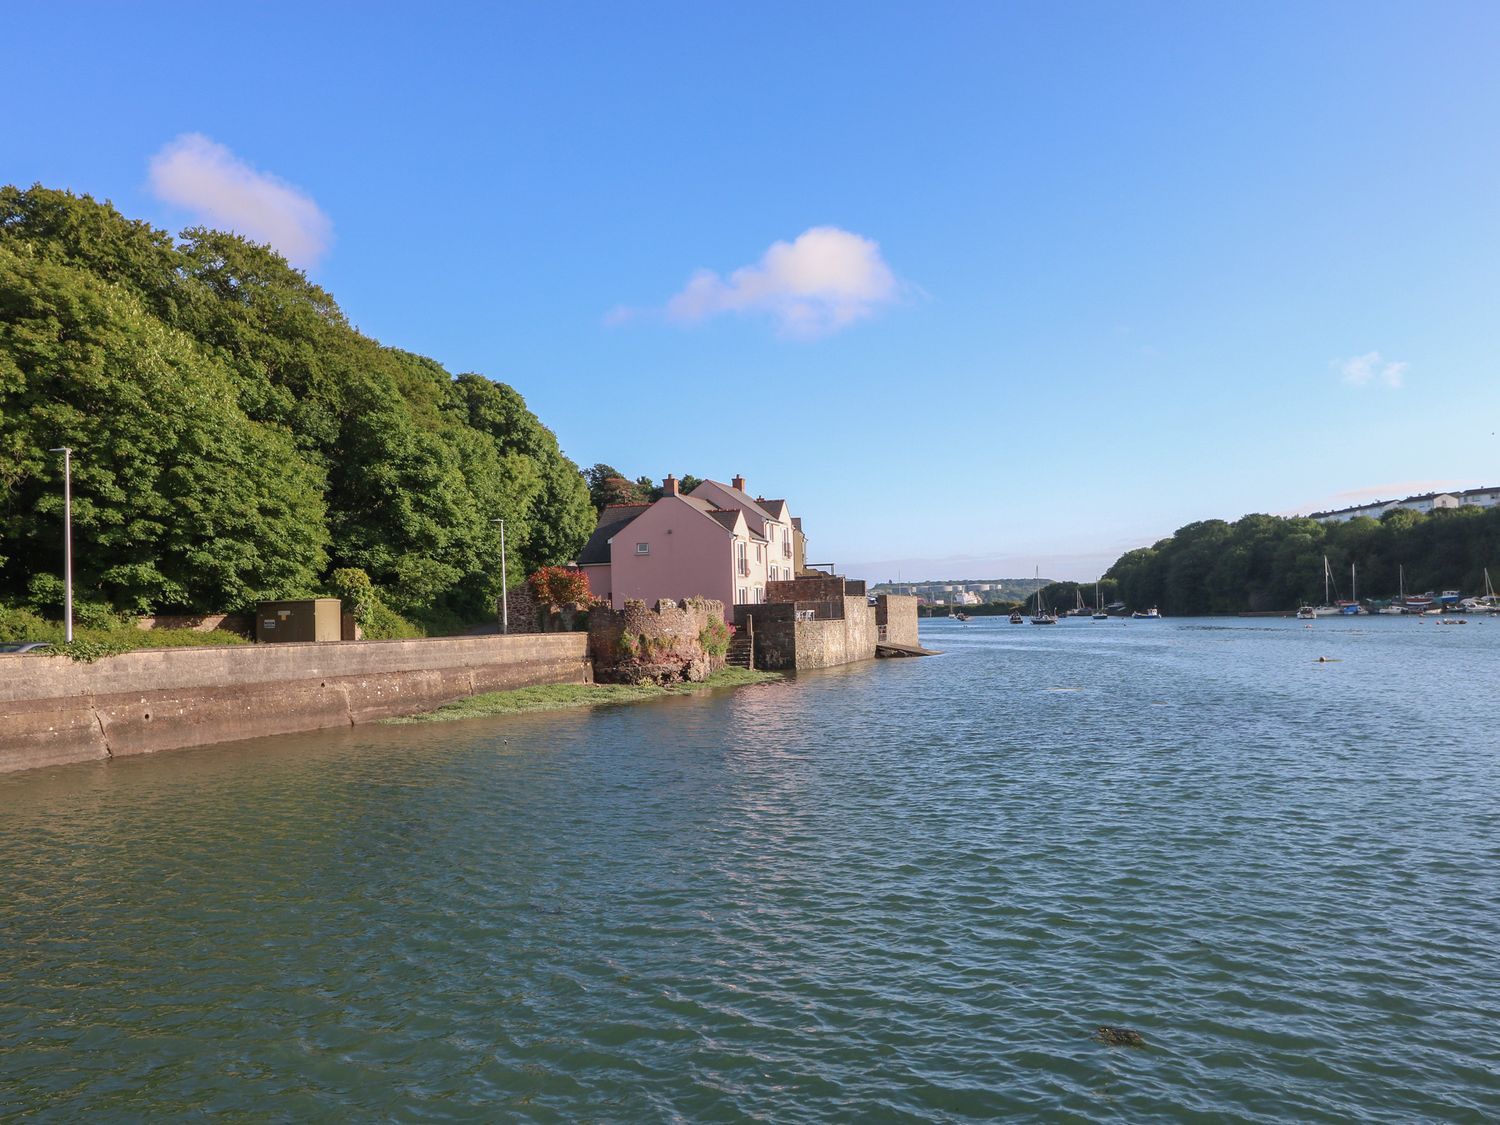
(782, 642)
(527, 615)
(824, 644)
(662, 645)
(897, 613)
(774, 628)
(815, 588)
(55, 710)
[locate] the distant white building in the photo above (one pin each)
(1425, 502)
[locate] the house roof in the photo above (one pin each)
(777, 508)
(612, 519)
(724, 517)
(741, 497)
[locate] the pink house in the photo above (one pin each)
(717, 543)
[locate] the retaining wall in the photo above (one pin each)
(783, 642)
(898, 614)
(823, 644)
(55, 710)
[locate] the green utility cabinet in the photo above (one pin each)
(311, 619)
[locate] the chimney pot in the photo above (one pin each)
(669, 485)
(739, 483)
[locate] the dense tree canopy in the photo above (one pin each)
(1269, 562)
(607, 485)
(236, 439)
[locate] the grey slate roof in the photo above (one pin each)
(611, 520)
(777, 508)
(743, 498)
(723, 517)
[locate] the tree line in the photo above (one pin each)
(236, 439)
(1264, 563)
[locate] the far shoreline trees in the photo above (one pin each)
(1262, 563)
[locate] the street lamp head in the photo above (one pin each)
(61, 449)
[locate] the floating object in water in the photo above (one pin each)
(1328, 660)
(1120, 1037)
(1064, 689)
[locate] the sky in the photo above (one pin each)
(980, 289)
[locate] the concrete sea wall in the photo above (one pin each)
(54, 710)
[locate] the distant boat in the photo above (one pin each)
(1017, 619)
(1038, 615)
(1489, 602)
(1352, 606)
(1147, 615)
(1327, 609)
(1100, 615)
(1306, 613)
(1399, 606)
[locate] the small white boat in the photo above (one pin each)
(1306, 613)
(1147, 615)
(1100, 615)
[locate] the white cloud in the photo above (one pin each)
(221, 190)
(1371, 368)
(822, 282)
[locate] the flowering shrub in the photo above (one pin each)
(560, 585)
(715, 638)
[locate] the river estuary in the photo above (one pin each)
(908, 890)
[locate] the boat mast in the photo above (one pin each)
(1353, 585)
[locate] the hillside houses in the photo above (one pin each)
(1423, 502)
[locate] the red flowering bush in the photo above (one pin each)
(560, 586)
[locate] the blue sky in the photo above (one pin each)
(1079, 274)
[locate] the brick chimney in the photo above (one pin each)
(739, 483)
(669, 486)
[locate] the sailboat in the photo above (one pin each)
(1327, 609)
(1040, 616)
(1489, 602)
(1352, 606)
(1099, 614)
(1398, 607)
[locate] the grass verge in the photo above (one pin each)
(560, 697)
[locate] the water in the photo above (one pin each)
(901, 891)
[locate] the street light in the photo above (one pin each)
(504, 591)
(67, 453)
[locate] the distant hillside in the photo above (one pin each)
(1270, 562)
(985, 589)
(236, 439)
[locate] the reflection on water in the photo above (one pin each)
(907, 890)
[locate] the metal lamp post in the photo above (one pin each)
(67, 453)
(504, 589)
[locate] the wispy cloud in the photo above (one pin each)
(221, 190)
(821, 282)
(1371, 369)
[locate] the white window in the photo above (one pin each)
(741, 595)
(643, 548)
(760, 594)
